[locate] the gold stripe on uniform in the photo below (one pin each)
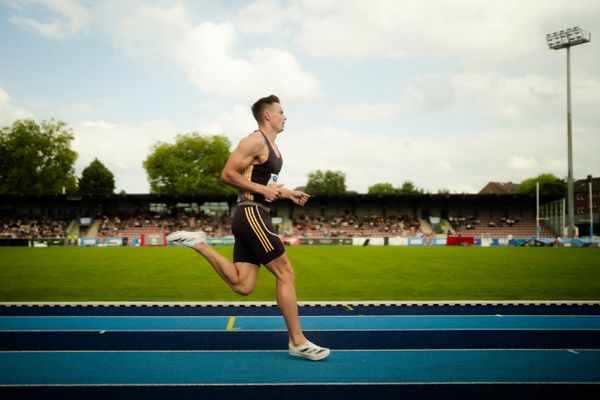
(258, 230)
(248, 175)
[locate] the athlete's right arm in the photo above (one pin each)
(246, 152)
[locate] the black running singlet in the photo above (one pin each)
(264, 174)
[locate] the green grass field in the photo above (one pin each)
(322, 273)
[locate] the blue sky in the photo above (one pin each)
(446, 94)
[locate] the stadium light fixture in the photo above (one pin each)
(567, 38)
(564, 40)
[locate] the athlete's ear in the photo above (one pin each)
(266, 115)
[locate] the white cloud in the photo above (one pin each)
(121, 147)
(271, 14)
(460, 93)
(428, 93)
(205, 52)
(124, 147)
(470, 31)
(70, 18)
(507, 98)
(236, 124)
(367, 112)
(521, 163)
(423, 94)
(10, 112)
(510, 98)
(458, 162)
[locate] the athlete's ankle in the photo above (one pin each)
(200, 246)
(298, 341)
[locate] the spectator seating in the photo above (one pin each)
(115, 226)
(494, 227)
(33, 227)
(352, 226)
(302, 226)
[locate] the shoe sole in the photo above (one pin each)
(171, 239)
(317, 358)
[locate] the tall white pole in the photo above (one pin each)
(571, 205)
(563, 217)
(560, 40)
(537, 209)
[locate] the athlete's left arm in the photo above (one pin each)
(297, 196)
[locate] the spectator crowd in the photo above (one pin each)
(346, 226)
(33, 227)
(351, 226)
(123, 226)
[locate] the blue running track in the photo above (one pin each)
(230, 352)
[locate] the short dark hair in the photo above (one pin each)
(259, 106)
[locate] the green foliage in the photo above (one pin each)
(386, 188)
(192, 165)
(328, 182)
(382, 188)
(37, 159)
(96, 179)
(549, 184)
(409, 188)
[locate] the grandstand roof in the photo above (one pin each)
(500, 188)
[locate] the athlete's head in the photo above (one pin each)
(261, 106)
(268, 111)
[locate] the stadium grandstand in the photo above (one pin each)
(147, 219)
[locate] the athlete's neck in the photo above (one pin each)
(269, 133)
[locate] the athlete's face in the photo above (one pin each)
(276, 117)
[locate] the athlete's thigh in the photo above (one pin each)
(255, 241)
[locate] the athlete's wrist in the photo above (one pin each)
(260, 189)
(284, 193)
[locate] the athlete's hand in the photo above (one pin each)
(298, 197)
(273, 191)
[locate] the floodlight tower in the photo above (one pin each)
(556, 41)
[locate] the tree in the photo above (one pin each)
(328, 182)
(409, 188)
(382, 188)
(37, 159)
(96, 179)
(549, 184)
(386, 188)
(192, 165)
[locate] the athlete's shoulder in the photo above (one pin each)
(254, 143)
(255, 136)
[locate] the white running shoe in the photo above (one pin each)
(309, 350)
(186, 238)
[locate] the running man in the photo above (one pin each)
(252, 169)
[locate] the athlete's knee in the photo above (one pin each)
(283, 271)
(243, 290)
(289, 276)
(246, 279)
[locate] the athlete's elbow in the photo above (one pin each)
(225, 177)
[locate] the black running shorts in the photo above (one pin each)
(255, 241)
